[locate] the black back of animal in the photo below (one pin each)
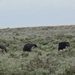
(63, 45)
(28, 47)
(3, 48)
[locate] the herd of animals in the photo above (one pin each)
(27, 47)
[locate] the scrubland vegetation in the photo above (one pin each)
(43, 60)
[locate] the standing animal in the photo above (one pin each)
(28, 47)
(63, 45)
(3, 48)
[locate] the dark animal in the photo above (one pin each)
(3, 48)
(28, 47)
(63, 45)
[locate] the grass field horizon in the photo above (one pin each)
(43, 60)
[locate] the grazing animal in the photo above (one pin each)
(3, 48)
(28, 47)
(63, 45)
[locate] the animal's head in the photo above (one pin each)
(34, 45)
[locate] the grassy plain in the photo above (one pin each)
(43, 60)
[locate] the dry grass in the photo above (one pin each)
(43, 60)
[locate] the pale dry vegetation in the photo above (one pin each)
(43, 60)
